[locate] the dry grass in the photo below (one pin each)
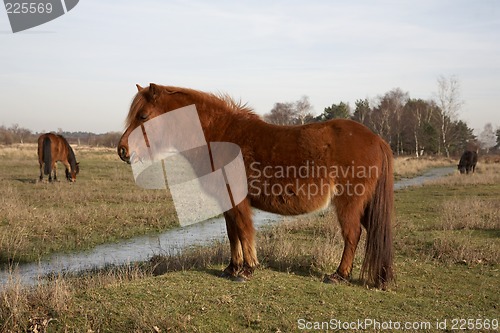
(406, 167)
(308, 244)
(466, 222)
(464, 249)
(28, 151)
(32, 309)
(103, 153)
(64, 217)
(454, 220)
(470, 214)
(486, 174)
(37, 308)
(104, 205)
(129, 298)
(194, 258)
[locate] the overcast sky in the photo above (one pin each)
(78, 72)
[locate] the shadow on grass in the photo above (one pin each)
(27, 180)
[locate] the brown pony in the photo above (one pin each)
(53, 148)
(293, 170)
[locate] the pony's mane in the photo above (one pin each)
(237, 106)
(137, 103)
(71, 153)
(221, 99)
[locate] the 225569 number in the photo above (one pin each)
(28, 7)
(474, 324)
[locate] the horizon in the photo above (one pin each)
(78, 72)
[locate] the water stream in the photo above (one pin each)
(171, 241)
(419, 180)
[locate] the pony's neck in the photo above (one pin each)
(222, 119)
(71, 157)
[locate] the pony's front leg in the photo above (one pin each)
(236, 263)
(243, 252)
(67, 170)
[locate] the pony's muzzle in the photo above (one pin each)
(123, 153)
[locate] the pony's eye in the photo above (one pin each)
(143, 116)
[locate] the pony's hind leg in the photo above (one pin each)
(349, 217)
(41, 172)
(52, 171)
(54, 167)
(241, 235)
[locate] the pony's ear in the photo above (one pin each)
(154, 91)
(139, 88)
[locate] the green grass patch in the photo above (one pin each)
(276, 301)
(446, 268)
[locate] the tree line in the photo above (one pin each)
(17, 134)
(411, 126)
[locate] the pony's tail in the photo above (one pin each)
(377, 265)
(47, 156)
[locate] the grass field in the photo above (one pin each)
(447, 243)
(104, 205)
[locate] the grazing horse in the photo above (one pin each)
(53, 148)
(467, 162)
(293, 170)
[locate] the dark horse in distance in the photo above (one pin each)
(293, 170)
(467, 162)
(53, 148)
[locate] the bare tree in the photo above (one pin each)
(379, 122)
(302, 110)
(415, 113)
(420, 122)
(20, 134)
(497, 146)
(6, 136)
(387, 118)
(448, 98)
(281, 114)
(290, 113)
(487, 138)
(395, 101)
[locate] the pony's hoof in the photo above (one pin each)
(334, 278)
(238, 275)
(239, 279)
(226, 275)
(246, 273)
(231, 277)
(230, 271)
